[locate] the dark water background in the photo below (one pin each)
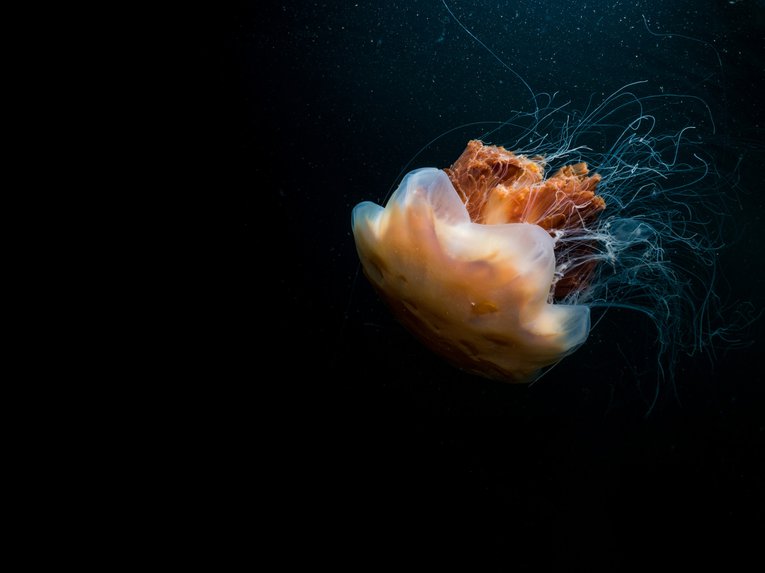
(322, 104)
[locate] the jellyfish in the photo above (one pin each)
(469, 259)
(498, 262)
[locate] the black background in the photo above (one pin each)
(315, 106)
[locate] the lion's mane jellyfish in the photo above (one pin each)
(497, 262)
(480, 260)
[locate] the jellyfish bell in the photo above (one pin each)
(471, 259)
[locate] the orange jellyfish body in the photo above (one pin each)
(466, 259)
